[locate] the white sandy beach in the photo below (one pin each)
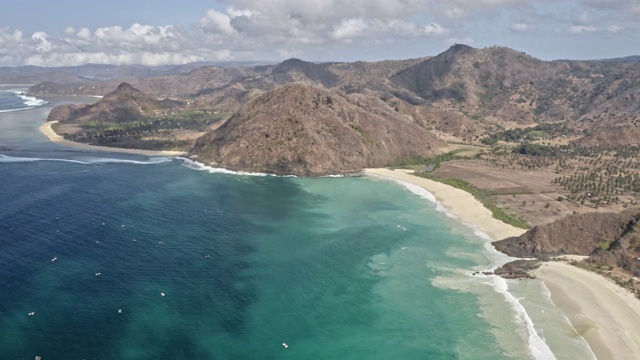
(459, 203)
(606, 315)
(48, 131)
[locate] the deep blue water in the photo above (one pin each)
(215, 266)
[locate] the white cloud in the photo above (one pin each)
(349, 29)
(7, 36)
(520, 27)
(453, 41)
(217, 22)
(318, 30)
(84, 34)
(434, 29)
(42, 41)
(613, 28)
(581, 29)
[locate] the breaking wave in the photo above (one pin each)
(85, 160)
(194, 165)
(537, 346)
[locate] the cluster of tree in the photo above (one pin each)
(160, 126)
(594, 176)
(542, 131)
(106, 136)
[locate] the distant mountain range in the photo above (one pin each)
(100, 72)
(463, 94)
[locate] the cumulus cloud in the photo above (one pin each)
(520, 27)
(312, 29)
(349, 29)
(42, 42)
(217, 22)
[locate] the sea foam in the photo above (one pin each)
(86, 160)
(194, 165)
(29, 101)
(537, 346)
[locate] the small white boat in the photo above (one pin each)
(54, 259)
(32, 313)
(161, 294)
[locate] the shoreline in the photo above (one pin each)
(605, 315)
(458, 202)
(54, 137)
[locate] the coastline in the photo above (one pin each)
(54, 137)
(459, 203)
(604, 314)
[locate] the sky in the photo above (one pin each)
(161, 32)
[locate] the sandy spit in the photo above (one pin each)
(53, 136)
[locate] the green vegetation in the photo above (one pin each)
(362, 134)
(485, 197)
(430, 164)
(130, 134)
(536, 150)
(593, 176)
(542, 131)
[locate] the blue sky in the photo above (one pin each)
(74, 32)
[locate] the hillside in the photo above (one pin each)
(307, 130)
(464, 94)
(474, 77)
(609, 238)
(126, 103)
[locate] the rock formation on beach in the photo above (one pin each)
(607, 237)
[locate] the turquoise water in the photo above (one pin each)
(125, 257)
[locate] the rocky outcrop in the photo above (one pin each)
(307, 130)
(609, 238)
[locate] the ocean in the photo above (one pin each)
(116, 256)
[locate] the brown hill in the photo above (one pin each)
(21, 76)
(474, 77)
(126, 103)
(465, 94)
(612, 238)
(296, 70)
(307, 130)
